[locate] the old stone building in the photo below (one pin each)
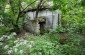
(46, 20)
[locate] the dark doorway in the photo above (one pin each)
(42, 27)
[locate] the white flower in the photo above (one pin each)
(0, 18)
(16, 41)
(10, 51)
(6, 47)
(21, 43)
(17, 45)
(40, 53)
(5, 36)
(9, 37)
(37, 1)
(21, 51)
(30, 46)
(14, 33)
(25, 42)
(21, 40)
(2, 38)
(1, 43)
(1, 24)
(15, 49)
(31, 42)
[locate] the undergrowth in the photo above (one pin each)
(47, 44)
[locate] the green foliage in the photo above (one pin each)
(82, 2)
(43, 45)
(73, 22)
(4, 30)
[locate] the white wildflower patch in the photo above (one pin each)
(21, 43)
(10, 51)
(16, 41)
(1, 43)
(32, 42)
(1, 24)
(17, 45)
(25, 42)
(30, 46)
(21, 40)
(21, 51)
(14, 33)
(6, 47)
(8, 37)
(15, 50)
(4, 35)
(1, 38)
(40, 53)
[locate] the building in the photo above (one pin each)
(46, 20)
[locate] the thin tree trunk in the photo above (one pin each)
(36, 25)
(38, 7)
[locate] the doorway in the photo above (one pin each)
(42, 27)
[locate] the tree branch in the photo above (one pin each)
(28, 5)
(32, 10)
